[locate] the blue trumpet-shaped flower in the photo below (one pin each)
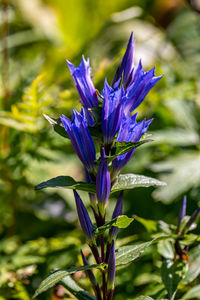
(84, 217)
(81, 139)
(127, 65)
(83, 82)
(103, 184)
(130, 131)
(136, 82)
(139, 86)
(111, 113)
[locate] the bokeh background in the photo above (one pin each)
(39, 230)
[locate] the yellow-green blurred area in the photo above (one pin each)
(39, 229)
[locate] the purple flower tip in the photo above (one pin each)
(83, 82)
(84, 218)
(81, 138)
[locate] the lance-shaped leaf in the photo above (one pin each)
(66, 182)
(56, 124)
(125, 147)
(75, 289)
(172, 273)
(120, 222)
(127, 254)
(55, 277)
(131, 181)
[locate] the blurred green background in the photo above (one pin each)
(39, 230)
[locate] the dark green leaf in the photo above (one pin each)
(56, 124)
(172, 273)
(75, 289)
(58, 275)
(125, 147)
(127, 254)
(66, 182)
(120, 222)
(131, 181)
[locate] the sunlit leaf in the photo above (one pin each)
(120, 222)
(58, 275)
(125, 147)
(127, 254)
(75, 289)
(131, 181)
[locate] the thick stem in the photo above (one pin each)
(95, 252)
(104, 285)
(97, 292)
(110, 295)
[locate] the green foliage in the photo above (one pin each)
(172, 273)
(58, 275)
(42, 34)
(120, 222)
(130, 181)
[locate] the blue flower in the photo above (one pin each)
(103, 184)
(130, 131)
(84, 217)
(126, 66)
(139, 86)
(136, 82)
(83, 82)
(111, 113)
(81, 139)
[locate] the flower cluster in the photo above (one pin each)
(111, 114)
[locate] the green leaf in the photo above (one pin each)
(127, 254)
(150, 225)
(125, 147)
(75, 289)
(55, 123)
(193, 293)
(58, 275)
(131, 181)
(166, 249)
(193, 268)
(120, 222)
(172, 273)
(66, 182)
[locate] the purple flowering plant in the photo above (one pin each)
(105, 135)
